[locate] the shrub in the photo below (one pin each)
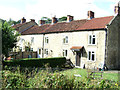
(36, 62)
(14, 80)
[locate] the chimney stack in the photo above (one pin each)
(23, 20)
(42, 22)
(117, 8)
(90, 14)
(69, 18)
(32, 20)
(54, 20)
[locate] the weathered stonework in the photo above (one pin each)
(112, 60)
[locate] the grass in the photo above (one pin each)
(83, 73)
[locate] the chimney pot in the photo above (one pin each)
(32, 20)
(54, 20)
(23, 20)
(42, 22)
(69, 18)
(90, 14)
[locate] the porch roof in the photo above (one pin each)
(76, 47)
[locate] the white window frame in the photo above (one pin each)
(65, 40)
(89, 57)
(20, 48)
(46, 40)
(46, 51)
(90, 41)
(65, 53)
(40, 51)
(31, 49)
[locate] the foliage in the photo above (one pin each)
(47, 20)
(14, 79)
(36, 62)
(12, 22)
(9, 38)
(64, 18)
(49, 80)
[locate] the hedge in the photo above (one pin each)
(36, 62)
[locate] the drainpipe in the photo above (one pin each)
(43, 46)
(106, 39)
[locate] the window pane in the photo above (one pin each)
(66, 39)
(47, 40)
(39, 51)
(93, 35)
(93, 41)
(65, 52)
(63, 40)
(93, 57)
(90, 38)
(89, 55)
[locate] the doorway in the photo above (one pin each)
(78, 59)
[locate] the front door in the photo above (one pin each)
(78, 58)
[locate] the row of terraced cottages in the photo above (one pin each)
(89, 43)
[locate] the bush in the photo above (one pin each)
(36, 62)
(51, 80)
(14, 80)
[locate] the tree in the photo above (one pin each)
(47, 20)
(64, 18)
(12, 22)
(9, 38)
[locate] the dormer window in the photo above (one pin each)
(65, 40)
(92, 40)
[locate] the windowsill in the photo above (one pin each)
(46, 43)
(92, 44)
(65, 43)
(91, 60)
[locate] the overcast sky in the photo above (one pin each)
(35, 9)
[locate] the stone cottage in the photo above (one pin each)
(89, 43)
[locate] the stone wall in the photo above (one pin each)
(112, 56)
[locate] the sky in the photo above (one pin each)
(36, 9)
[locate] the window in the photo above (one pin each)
(40, 51)
(32, 39)
(46, 51)
(21, 40)
(65, 53)
(20, 49)
(31, 49)
(46, 40)
(92, 39)
(65, 39)
(91, 55)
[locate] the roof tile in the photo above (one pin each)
(96, 23)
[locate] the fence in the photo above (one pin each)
(19, 55)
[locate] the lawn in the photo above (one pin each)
(83, 73)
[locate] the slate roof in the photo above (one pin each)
(96, 23)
